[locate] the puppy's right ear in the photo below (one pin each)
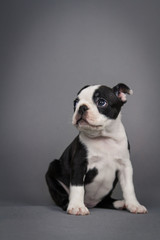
(120, 91)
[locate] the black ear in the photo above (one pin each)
(120, 91)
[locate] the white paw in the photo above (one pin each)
(119, 204)
(135, 208)
(78, 210)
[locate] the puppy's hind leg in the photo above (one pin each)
(110, 203)
(119, 204)
(56, 189)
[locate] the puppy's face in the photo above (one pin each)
(97, 106)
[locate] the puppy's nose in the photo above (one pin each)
(82, 109)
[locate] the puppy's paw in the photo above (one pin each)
(119, 204)
(135, 207)
(78, 210)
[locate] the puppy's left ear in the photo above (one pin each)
(120, 90)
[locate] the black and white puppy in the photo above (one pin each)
(88, 170)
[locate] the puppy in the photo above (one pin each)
(88, 170)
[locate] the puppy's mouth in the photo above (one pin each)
(83, 122)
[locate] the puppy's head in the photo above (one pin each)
(96, 107)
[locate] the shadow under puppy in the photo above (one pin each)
(88, 170)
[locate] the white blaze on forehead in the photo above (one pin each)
(87, 93)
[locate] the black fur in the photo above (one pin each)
(91, 174)
(114, 104)
(121, 87)
(58, 194)
(71, 168)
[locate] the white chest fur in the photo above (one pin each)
(107, 155)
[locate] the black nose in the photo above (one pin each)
(82, 109)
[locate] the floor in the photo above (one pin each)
(50, 222)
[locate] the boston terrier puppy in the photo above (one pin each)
(88, 170)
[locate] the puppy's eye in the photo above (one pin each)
(102, 103)
(75, 102)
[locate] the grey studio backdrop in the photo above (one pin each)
(51, 49)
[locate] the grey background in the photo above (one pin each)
(48, 51)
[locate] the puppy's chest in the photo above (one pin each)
(105, 155)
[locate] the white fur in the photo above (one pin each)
(92, 116)
(107, 149)
(119, 204)
(76, 201)
(108, 154)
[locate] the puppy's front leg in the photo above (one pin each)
(126, 182)
(76, 201)
(76, 192)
